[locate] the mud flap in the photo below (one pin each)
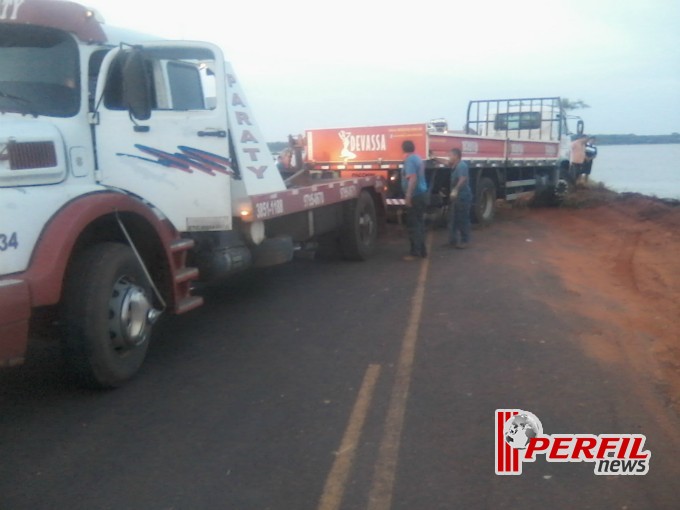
(15, 311)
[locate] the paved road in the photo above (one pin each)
(326, 384)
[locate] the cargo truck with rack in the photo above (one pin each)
(130, 169)
(514, 147)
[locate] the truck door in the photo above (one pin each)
(161, 130)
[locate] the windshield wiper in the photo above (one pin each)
(22, 100)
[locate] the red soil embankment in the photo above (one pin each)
(619, 256)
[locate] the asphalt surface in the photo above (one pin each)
(328, 384)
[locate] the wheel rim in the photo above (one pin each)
(130, 312)
(366, 227)
(486, 204)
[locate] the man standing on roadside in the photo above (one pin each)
(460, 201)
(415, 192)
(577, 158)
(591, 154)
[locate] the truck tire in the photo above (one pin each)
(484, 208)
(107, 315)
(360, 228)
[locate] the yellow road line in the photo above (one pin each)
(380, 496)
(334, 488)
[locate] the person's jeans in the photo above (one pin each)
(415, 224)
(459, 220)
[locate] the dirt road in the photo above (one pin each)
(619, 256)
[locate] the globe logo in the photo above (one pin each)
(521, 428)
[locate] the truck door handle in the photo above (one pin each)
(218, 133)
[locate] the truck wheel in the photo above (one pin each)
(360, 228)
(108, 315)
(484, 207)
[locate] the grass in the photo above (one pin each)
(591, 195)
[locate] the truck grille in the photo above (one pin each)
(29, 155)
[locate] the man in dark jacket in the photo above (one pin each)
(415, 191)
(460, 201)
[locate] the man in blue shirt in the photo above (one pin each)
(460, 201)
(415, 192)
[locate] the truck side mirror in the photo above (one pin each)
(136, 85)
(579, 127)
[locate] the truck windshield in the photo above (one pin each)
(38, 71)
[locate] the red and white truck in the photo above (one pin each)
(131, 168)
(513, 146)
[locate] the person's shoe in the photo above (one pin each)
(462, 246)
(410, 258)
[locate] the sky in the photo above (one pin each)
(315, 64)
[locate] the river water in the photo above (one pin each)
(648, 169)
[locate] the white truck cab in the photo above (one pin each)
(129, 169)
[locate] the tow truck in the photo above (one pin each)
(131, 169)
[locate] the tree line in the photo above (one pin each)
(632, 139)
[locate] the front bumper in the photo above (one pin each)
(15, 311)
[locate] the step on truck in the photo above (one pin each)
(131, 169)
(514, 147)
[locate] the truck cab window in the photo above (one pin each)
(518, 120)
(40, 71)
(181, 79)
(185, 86)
